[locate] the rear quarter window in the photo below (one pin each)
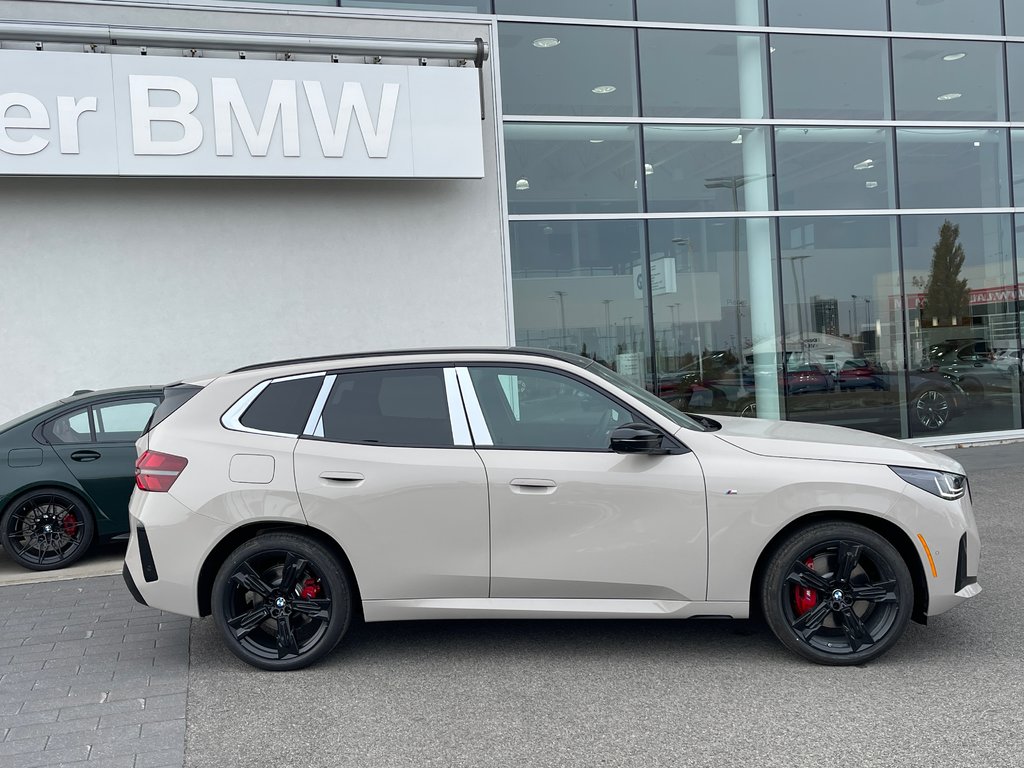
(283, 406)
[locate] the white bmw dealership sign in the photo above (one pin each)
(79, 114)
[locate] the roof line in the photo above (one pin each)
(553, 353)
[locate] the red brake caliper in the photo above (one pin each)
(805, 597)
(310, 589)
(70, 525)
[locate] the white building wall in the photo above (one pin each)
(114, 281)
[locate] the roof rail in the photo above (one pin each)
(553, 353)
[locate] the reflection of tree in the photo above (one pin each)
(945, 293)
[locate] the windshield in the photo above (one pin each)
(641, 394)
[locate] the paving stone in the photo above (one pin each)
(57, 757)
(162, 759)
(45, 729)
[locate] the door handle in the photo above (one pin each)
(85, 455)
(343, 478)
(533, 485)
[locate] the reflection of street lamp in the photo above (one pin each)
(681, 241)
(799, 300)
(561, 313)
(853, 330)
(608, 324)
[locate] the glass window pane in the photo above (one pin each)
(1017, 137)
(697, 74)
(750, 13)
(969, 17)
(857, 87)
(572, 168)
(961, 306)
(952, 168)
(454, 6)
(392, 407)
(1014, 19)
(570, 9)
(699, 168)
(845, 359)
(122, 421)
(283, 406)
(578, 287)
(948, 80)
(834, 168)
(70, 428)
(541, 410)
(549, 69)
(1015, 77)
(828, 14)
(715, 318)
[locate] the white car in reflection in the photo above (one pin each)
(288, 499)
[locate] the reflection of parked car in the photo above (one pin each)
(67, 473)
(1010, 359)
(287, 500)
(861, 373)
(972, 363)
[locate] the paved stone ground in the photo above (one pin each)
(90, 678)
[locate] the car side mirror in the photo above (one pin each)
(637, 438)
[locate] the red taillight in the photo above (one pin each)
(156, 472)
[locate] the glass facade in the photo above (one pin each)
(800, 209)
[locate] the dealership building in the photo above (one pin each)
(799, 209)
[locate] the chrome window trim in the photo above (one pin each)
(230, 418)
(461, 436)
(481, 434)
(315, 421)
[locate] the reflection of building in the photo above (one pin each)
(643, 219)
(826, 315)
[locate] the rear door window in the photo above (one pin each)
(398, 407)
(72, 427)
(122, 421)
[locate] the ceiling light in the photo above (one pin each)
(738, 139)
(523, 184)
(954, 56)
(546, 42)
(977, 143)
(863, 165)
(603, 89)
(870, 184)
(636, 184)
(648, 169)
(597, 141)
(949, 96)
(771, 49)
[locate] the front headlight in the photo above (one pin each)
(945, 485)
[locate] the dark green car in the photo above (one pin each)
(66, 473)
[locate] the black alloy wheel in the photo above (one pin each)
(281, 601)
(931, 410)
(837, 594)
(46, 529)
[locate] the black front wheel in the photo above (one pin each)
(931, 410)
(837, 593)
(46, 529)
(281, 601)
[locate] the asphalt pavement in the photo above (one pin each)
(584, 693)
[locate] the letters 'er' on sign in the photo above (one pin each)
(95, 114)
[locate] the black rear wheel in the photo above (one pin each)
(281, 601)
(837, 593)
(46, 529)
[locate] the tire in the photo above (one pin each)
(931, 410)
(281, 601)
(47, 528)
(814, 609)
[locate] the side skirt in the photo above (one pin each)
(540, 608)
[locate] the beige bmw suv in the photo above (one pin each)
(289, 499)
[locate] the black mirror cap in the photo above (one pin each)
(637, 438)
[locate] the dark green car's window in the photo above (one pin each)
(72, 427)
(122, 421)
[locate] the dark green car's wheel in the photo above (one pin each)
(281, 601)
(837, 593)
(46, 529)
